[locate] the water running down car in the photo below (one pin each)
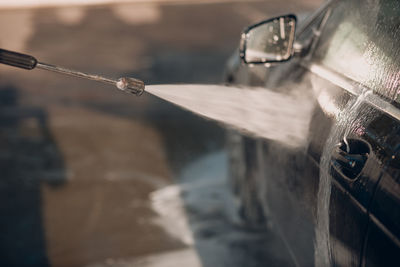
(335, 198)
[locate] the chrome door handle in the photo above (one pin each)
(349, 160)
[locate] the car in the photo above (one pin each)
(333, 198)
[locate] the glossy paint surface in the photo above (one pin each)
(382, 245)
(335, 200)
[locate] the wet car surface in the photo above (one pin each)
(335, 197)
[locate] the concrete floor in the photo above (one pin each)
(91, 176)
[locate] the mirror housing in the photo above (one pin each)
(269, 41)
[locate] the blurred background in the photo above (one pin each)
(90, 176)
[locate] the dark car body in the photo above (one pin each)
(334, 199)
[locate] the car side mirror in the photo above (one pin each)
(269, 41)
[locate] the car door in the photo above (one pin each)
(318, 194)
(358, 55)
(321, 202)
(382, 246)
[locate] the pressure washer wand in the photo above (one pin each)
(23, 61)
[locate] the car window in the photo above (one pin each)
(360, 41)
(306, 32)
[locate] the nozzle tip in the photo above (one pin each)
(131, 85)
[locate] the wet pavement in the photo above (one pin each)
(94, 177)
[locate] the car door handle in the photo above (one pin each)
(349, 160)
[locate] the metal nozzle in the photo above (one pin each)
(131, 85)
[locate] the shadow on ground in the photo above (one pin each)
(29, 158)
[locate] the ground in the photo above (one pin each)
(95, 177)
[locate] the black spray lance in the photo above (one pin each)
(23, 61)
